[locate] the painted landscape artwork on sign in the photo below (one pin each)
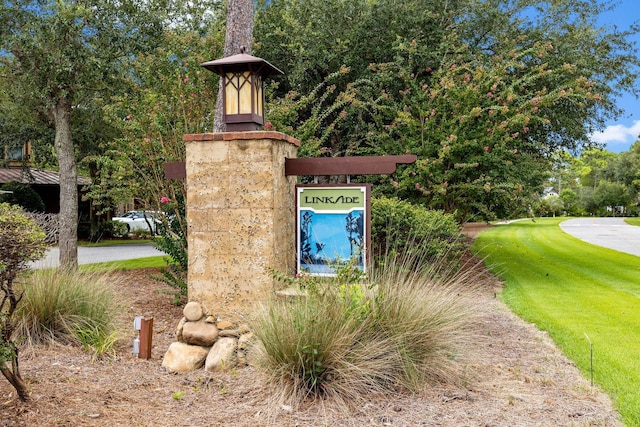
(332, 224)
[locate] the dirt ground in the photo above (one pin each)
(520, 379)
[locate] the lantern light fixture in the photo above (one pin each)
(242, 86)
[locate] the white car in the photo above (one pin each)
(144, 221)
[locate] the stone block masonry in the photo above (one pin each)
(240, 216)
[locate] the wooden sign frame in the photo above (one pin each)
(333, 227)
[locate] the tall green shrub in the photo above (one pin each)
(172, 240)
(21, 241)
(400, 227)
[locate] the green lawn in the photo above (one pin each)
(129, 264)
(633, 221)
(573, 290)
(114, 242)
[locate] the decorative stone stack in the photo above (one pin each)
(207, 341)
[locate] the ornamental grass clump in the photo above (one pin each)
(67, 307)
(427, 314)
(313, 347)
(394, 330)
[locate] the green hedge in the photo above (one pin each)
(400, 227)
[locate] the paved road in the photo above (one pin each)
(90, 255)
(612, 233)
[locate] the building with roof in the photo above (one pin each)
(45, 183)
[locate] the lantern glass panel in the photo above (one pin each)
(246, 106)
(258, 96)
(231, 94)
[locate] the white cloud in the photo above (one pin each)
(618, 134)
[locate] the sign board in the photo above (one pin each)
(332, 227)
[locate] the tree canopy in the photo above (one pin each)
(485, 92)
(599, 182)
(480, 91)
(62, 58)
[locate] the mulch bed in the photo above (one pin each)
(517, 378)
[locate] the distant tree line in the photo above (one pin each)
(595, 182)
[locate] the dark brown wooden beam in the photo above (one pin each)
(356, 165)
(175, 170)
(320, 166)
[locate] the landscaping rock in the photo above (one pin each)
(230, 333)
(244, 346)
(193, 311)
(199, 333)
(225, 324)
(179, 328)
(181, 357)
(222, 355)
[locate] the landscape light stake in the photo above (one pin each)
(590, 357)
(142, 343)
(137, 322)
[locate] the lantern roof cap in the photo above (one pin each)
(240, 62)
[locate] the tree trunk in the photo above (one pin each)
(239, 34)
(12, 372)
(68, 218)
(15, 379)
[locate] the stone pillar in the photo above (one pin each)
(240, 216)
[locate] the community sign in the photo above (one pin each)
(333, 227)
